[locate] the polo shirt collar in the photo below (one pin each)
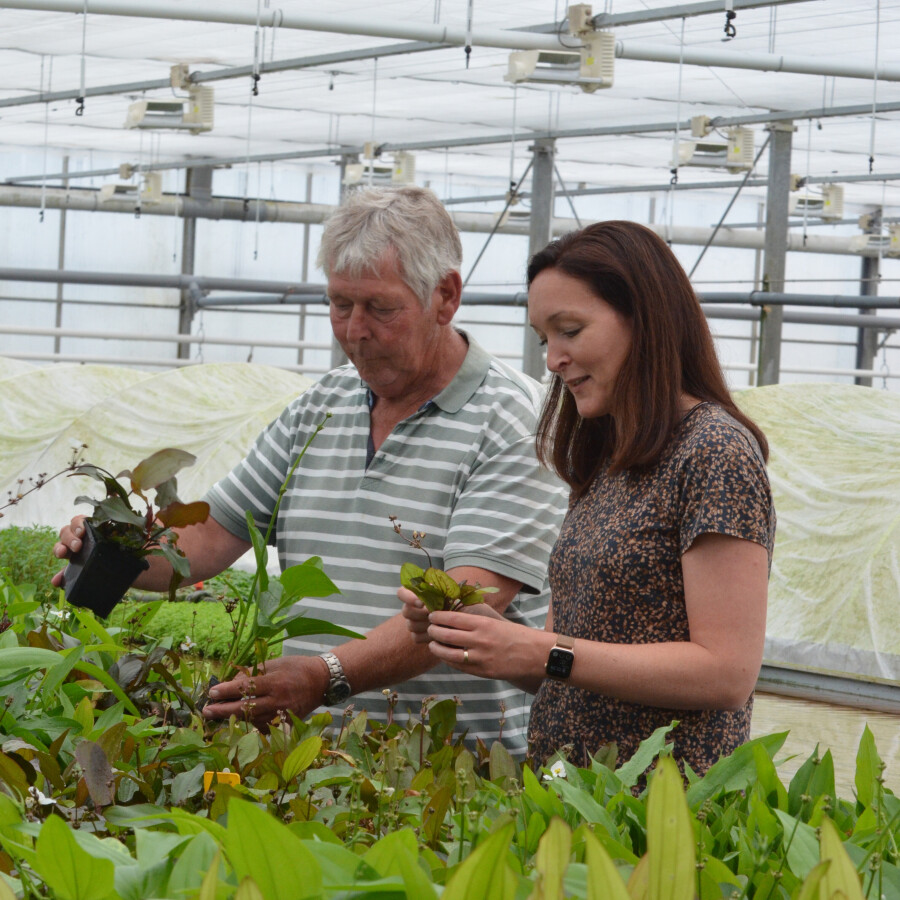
(467, 380)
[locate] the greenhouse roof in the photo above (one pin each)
(336, 77)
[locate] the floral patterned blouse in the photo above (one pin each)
(615, 576)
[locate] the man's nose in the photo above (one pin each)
(357, 324)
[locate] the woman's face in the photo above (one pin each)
(587, 340)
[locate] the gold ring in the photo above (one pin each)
(465, 656)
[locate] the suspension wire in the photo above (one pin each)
(568, 196)
(257, 53)
(730, 204)
(374, 107)
(470, 10)
(512, 140)
(874, 85)
(808, 173)
(258, 205)
(674, 170)
(513, 195)
(79, 109)
(46, 133)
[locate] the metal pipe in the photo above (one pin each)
(174, 338)
(308, 213)
(828, 687)
(237, 13)
(824, 112)
(770, 298)
(682, 11)
(763, 62)
(202, 282)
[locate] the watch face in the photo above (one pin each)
(559, 663)
(338, 692)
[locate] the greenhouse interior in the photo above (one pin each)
(166, 171)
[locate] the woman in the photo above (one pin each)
(659, 575)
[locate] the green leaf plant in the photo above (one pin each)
(126, 515)
(263, 614)
(434, 587)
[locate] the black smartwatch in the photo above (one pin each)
(561, 658)
(338, 689)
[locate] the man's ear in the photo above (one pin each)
(448, 296)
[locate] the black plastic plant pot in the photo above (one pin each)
(100, 573)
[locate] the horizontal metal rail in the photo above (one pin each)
(830, 687)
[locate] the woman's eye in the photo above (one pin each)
(571, 333)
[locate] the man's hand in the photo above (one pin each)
(69, 544)
(293, 683)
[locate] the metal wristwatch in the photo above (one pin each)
(338, 689)
(561, 657)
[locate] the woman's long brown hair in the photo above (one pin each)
(672, 353)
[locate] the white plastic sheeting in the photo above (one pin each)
(835, 585)
(834, 592)
(212, 410)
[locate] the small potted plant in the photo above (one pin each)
(126, 527)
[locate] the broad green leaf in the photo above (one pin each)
(98, 674)
(382, 855)
(435, 812)
(70, 872)
(551, 861)
(180, 515)
(734, 772)
(410, 573)
(643, 757)
(441, 581)
(14, 658)
(301, 757)
(307, 580)
(194, 860)
(117, 509)
(841, 880)
(98, 773)
(84, 715)
(586, 805)
(801, 843)
(415, 880)
(502, 765)
(810, 889)
(670, 836)
(868, 768)
(159, 467)
(547, 802)
(260, 552)
(248, 889)
(263, 849)
(604, 881)
(486, 874)
(6, 892)
(210, 883)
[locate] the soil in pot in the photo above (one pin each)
(100, 573)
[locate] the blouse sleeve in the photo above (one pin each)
(725, 490)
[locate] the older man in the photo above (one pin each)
(425, 426)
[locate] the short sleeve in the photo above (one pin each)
(725, 490)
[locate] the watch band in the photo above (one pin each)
(338, 688)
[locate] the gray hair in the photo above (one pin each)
(409, 221)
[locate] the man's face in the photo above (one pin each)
(384, 330)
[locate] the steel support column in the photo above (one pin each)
(870, 271)
(198, 184)
(778, 193)
(540, 232)
(61, 259)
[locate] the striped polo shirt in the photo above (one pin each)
(461, 469)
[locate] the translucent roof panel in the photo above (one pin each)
(350, 87)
